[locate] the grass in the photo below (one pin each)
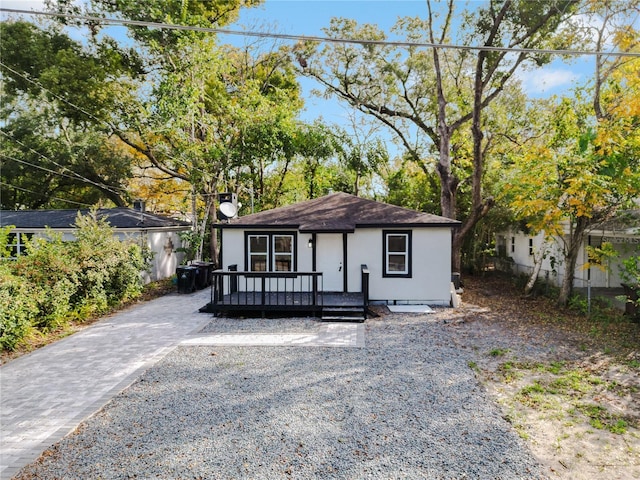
(499, 352)
(561, 391)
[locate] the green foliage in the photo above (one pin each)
(109, 270)
(5, 251)
(190, 240)
(52, 277)
(17, 308)
(58, 280)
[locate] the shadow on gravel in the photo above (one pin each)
(406, 406)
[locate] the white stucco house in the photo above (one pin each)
(158, 233)
(521, 249)
(332, 247)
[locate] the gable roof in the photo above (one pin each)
(339, 212)
(119, 218)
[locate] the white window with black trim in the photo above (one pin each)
(270, 252)
(396, 253)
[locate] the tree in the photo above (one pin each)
(586, 168)
(361, 155)
(54, 113)
(427, 97)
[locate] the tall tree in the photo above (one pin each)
(588, 167)
(426, 96)
(58, 98)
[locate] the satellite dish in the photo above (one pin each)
(228, 209)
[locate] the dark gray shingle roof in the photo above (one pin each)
(61, 219)
(340, 212)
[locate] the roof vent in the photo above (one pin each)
(139, 205)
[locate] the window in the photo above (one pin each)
(513, 244)
(270, 252)
(283, 253)
(258, 253)
(17, 243)
(397, 253)
(531, 246)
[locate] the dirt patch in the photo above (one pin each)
(569, 384)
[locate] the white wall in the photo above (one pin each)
(431, 263)
(553, 265)
(431, 267)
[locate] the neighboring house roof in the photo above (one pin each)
(119, 218)
(625, 222)
(339, 212)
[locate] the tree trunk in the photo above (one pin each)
(572, 250)
(536, 268)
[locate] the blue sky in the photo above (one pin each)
(308, 17)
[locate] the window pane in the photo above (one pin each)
(283, 244)
(258, 244)
(258, 263)
(397, 263)
(283, 263)
(397, 243)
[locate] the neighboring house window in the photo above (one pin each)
(396, 253)
(17, 243)
(270, 252)
(513, 244)
(531, 246)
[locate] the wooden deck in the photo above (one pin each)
(283, 302)
(288, 294)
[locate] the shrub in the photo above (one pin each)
(52, 277)
(109, 269)
(58, 280)
(17, 308)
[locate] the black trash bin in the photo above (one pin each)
(204, 274)
(186, 275)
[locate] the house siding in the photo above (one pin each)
(431, 267)
(552, 268)
(431, 263)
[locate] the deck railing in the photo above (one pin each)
(364, 271)
(267, 289)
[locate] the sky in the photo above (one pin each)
(309, 17)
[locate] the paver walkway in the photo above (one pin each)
(46, 394)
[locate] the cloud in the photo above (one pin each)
(547, 81)
(37, 5)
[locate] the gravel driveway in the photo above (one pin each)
(407, 405)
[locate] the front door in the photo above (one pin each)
(329, 258)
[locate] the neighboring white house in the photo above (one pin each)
(522, 249)
(408, 253)
(158, 233)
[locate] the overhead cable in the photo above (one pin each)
(40, 193)
(316, 39)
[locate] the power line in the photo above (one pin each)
(37, 166)
(76, 175)
(39, 85)
(40, 193)
(317, 39)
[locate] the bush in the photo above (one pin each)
(109, 269)
(58, 280)
(52, 277)
(17, 308)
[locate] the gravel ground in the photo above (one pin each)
(405, 406)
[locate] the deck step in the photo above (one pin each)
(343, 314)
